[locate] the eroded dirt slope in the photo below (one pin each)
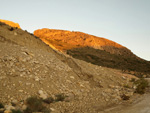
(28, 67)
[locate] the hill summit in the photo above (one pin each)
(10, 23)
(63, 40)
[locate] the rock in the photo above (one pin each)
(24, 107)
(69, 97)
(52, 109)
(42, 94)
(27, 84)
(20, 91)
(7, 111)
(72, 77)
(15, 33)
(108, 91)
(36, 78)
(14, 102)
(124, 77)
(9, 107)
(111, 86)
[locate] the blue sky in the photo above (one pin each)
(126, 22)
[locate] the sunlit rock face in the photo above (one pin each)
(10, 23)
(63, 40)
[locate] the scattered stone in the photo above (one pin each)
(14, 102)
(9, 107)
(42, 94)
(124, 77)
(7, 111)
(15, 33)
(37, 78)
(52, 109)
(20, 91)
(69, 97)
(111, 86)
(24, 107)
(72, 77)
(27, 84)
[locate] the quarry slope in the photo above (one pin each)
(95, 50)
(28, 67)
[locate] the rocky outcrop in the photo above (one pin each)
(10, 23)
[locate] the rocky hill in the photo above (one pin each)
(10, 23)
(66, 40)
(29, 67)
(95, 50)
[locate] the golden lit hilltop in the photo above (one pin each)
(63, 40)
(10, 23)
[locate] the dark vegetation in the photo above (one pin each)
(1, 105)
(125, 97)
(49, 100)
(60, 97)
(1, 23)
(141, 85)
(125, 62)
(16, 111)
(35, 104)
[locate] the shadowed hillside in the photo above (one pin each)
(96, 50)
(104, 58)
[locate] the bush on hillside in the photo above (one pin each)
(16, 111)
(1, 105)
(60, 97)
(35, 104)
(141, 85)
(49, 100)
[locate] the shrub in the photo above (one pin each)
(132, 80)
(11, 29)
(60, 97)
(1, 23)
(125, 97)
(35, 104)
(141, 86)
(48, 100)
(126, 86)
(1, 105)
(16, 111)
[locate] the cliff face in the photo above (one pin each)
(96, 50)
(10, 23)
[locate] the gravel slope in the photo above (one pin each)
(29, 67)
